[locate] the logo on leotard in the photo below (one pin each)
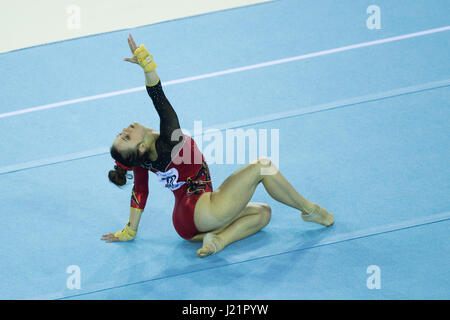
(198, 184)
(170, 179)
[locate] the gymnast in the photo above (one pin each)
(216, 217)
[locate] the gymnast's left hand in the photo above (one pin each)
(110, 237)
(127, 234)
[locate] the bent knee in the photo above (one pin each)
(263, 161)
(265, 213)
(264, 166)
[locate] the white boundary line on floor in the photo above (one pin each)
(243, 123)
(229, 71)
(334, 239)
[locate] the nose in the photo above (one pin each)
(130, 126)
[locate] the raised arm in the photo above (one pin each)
(167, 115)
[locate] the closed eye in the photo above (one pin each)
(126, 138)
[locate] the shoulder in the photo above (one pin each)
(166, 145)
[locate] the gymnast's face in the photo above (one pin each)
(130, 137)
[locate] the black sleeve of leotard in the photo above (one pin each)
(167, 115)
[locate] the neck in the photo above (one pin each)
(150, 141)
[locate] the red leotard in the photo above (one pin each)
(187, 175)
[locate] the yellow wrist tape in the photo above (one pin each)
(126, 234)
(145, 59)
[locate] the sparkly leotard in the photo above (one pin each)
(186, 173)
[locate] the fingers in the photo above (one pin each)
(132, 60)
(107, 235)
(132, 44)
(110, 237)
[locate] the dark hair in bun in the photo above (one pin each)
(132, 158)
(118, 176)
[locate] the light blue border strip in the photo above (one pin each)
(243, 123)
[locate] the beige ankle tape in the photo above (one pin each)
(210, 241)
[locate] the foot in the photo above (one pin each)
(319, 215)
(211, 245)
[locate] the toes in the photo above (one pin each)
(322, 217)
(205, 251)
(331, 221)
(202, 253)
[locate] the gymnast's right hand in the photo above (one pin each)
(140, 56)
(127, 234)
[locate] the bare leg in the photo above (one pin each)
(223, 205)
(253, 218)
